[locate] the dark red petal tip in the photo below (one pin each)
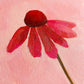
(35, 18)
(18, 38)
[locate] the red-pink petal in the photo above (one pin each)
(56, 38)
(34, 43)
(62, 30)
(64, 23)
(18, 38)
(50, 48)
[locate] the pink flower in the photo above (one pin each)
(49, 31)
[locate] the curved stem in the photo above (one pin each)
(64, 69)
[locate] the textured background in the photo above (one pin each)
(20, 67)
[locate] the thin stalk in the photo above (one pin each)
(64, 69)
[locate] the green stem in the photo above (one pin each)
(64, 69)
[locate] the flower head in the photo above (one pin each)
(46, 30)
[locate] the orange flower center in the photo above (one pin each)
(35, 18)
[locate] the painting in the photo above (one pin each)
(41, 42)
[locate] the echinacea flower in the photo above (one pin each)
(41, 29)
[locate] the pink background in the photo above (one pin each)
(20, 67)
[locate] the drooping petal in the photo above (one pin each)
(56, 38)
(62, 30)
(64, 23)
(50, 48)
(18, 38)
(34, 43)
